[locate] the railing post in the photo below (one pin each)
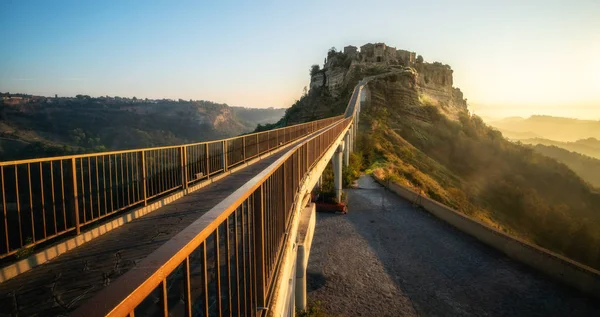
(244, 148)
(259, 248)
(224, 155)
(257, 146)
(144, 178)
(207, 156)
(183, 156)
(75, 198)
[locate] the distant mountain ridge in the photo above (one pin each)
(589, 147)
(36, 126)
(548, 127)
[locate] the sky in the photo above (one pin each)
(510, 58)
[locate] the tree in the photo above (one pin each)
(420, 59)
(314, 69)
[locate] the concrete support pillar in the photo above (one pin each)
(347, 149)
(337, 171)
(352, 140)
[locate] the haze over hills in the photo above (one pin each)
(416, 130)
(33, 126)
(548, 127)
(586, 167)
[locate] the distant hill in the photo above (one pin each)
(548, 127)
(586, 167)
(34, 126)
(255, 116)
(589, 147)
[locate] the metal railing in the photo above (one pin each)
(225, 263)
(45, 198)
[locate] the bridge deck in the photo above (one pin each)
(61, 285)
(387, 258)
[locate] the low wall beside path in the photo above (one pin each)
(579, 276)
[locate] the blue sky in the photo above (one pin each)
(509, 57)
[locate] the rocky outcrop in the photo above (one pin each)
(413, 81)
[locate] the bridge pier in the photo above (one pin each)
(337, 171)
(347, 149)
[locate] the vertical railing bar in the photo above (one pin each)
(237, 257)
(218, 263)
(168, 167)
(82, 188)
(110, 180)
(164, 298)
(251, 264)
(116, 185)
(161, 166)
(18, 205)
(227, 240)
(104, 183)
(4, 208)
(144, 178)
(173, 169)
(205, 266)
(207, 157)
(89, 172)
(122, 182)
(149, 173)
(97, 192)
(184, 167)
(158, 177)
(244, 148)
(187, 288)
(246, 290)
(128, 182)
(138, 164)
(259, 245)
(43, 202)
(62, 192)
(31, 202)
(75, 194)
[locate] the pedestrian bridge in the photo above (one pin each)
(198, 229)
(219, 228)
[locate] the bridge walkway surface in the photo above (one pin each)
(389, 258)
(62, 284)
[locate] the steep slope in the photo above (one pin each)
(417, 130)
(471, 167)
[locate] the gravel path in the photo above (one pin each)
(387, 258)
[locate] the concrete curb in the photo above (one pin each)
(558, 267)
(51, 252)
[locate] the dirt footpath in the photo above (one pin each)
(387, 258)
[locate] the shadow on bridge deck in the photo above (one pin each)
(388, 258)
(64, 283)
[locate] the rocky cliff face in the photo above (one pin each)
(419, 83)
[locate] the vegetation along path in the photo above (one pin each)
(389, 258)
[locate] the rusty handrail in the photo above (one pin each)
(263, 200)
(45, 198)
(197, 272)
